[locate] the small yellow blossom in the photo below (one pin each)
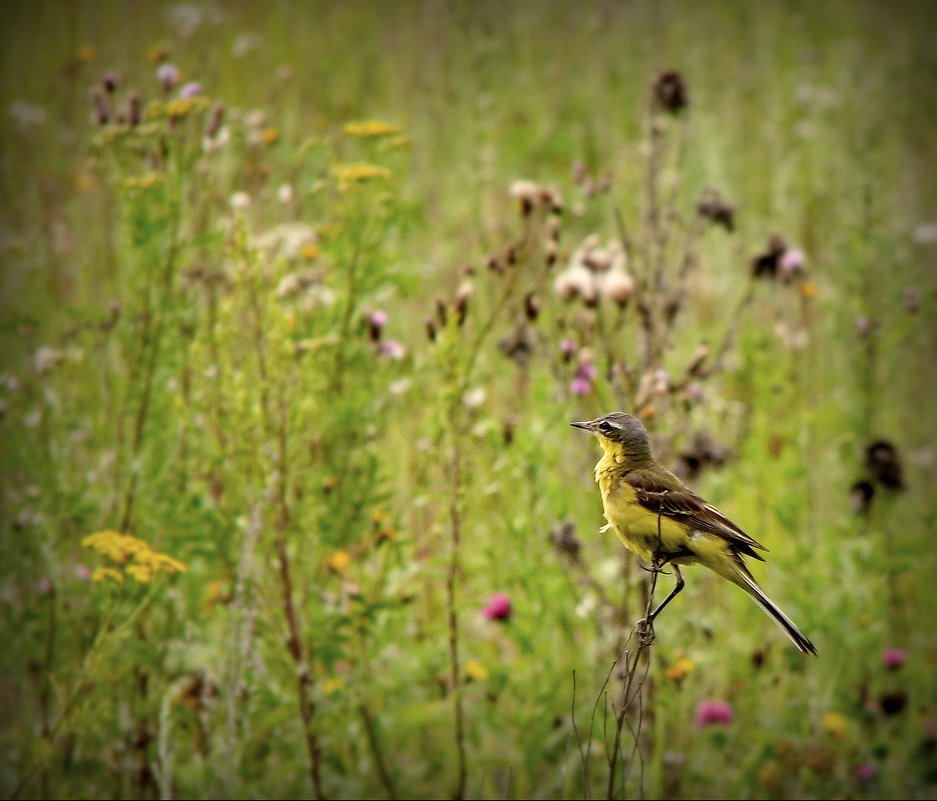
(310, 251)
(380, 517)
(269, 136)
(680, 668)
(366, 128)
(332, 686)
(145, 563)
(156, 54)
(181, 107)
(144, 182)
(834, 723)
(475, 670)
(348, 174)
(396, 143)
(809, 290)
(339, 561)
(86, 54)
(104, 573)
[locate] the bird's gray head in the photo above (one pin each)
(627, 431)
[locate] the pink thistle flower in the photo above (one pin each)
(866, 772)
(894, 658)
(581, 386)
(499, 607)
(168, 76)
(586, 371)
(392, 349)
(791, 264)
(710, 712)
(191, 89)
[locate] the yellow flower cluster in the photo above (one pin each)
(366, 128)
(144, 562)
(347, 174)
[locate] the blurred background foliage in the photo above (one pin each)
(298, 301)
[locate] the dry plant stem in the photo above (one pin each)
(455, 527)
(307, 708)
(376, 752)
(630, 691)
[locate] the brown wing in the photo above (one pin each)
(663, 493)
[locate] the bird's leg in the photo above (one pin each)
(673, 593)
(645, 626)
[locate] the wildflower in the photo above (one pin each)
(475, 670)
(809, 290)
(376, 322)
(670, 92)
(894, 658)
(285, 193)
(834, 723)
(215, 120)
(912, 300)
(143, 563)
(191, 89)
(392, 349)
(567, 348)
(792, 264)
(104, 573)
(332, 686)
(866, 772)
(925, 234)
(269, 136)
(580, 386)
(348, 174)
(82, 573)
(712, 207)
(881, 457)
(575, 283)
(102, 114)
(564, 539)
(338, 561)
(245, 43)
(499, 607)
(616, 286)
(168, 76)
(893, 703)
(369, 128)
(109, 82)
(240, 201)
(474, 398)
(518, 345)
(527, 194)
(45, 358)
(310, 251)
(861, 494)
(863, 326)
(766, 265)
(680, 668)
(710, 713)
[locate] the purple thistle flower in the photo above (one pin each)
(168, 76)
(392, 349)
(866, 772)
(191, 89)
(894, 658)
(710, 712)
(581, 386)
(586, 371)
(912, 300)
(863, 326)
(499, 607)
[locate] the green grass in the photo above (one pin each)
(344, 516)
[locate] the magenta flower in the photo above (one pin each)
(581, 386)
(499, 607)
(392, 349)
(567, 347)
(586, 371)
(376, 321)
(191, 89)
(863, 326)
(710, 712)
(894, 658)
(866, 772)
(792, 264)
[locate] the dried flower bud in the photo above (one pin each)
(553, 228)
(527, 194)
(864, 326)
(168, 76)
(670, 92)
(494, 263)
(191, 89)
(461, 303)
(531, 306)
(551, 253)
(712, 207)
(616, 287)
(109, 82)
(881, 457)
(442, 313)
(430, 324)
(565, 540)
(576, 282)
(102, 113)
(861, 494)
(134, 109)
(578, 172)
(376, 321)
(215, 120)
(791, 265)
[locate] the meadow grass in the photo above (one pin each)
(310, 385)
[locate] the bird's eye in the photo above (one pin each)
(605, 426)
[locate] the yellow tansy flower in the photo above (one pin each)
(680, 668)
(347, 174)
(475, 670)
(310, 251)
(809, 290)
(121, 548)
(332, 686)
(104, 573)
(365, 128)
(834, 723)
(339, 561)
(270, 136)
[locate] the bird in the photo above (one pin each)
(662, 521)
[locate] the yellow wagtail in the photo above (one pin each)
(661, 520)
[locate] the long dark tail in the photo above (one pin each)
(744, 579)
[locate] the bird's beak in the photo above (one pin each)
(586, 425)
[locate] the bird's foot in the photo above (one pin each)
(645, 632)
